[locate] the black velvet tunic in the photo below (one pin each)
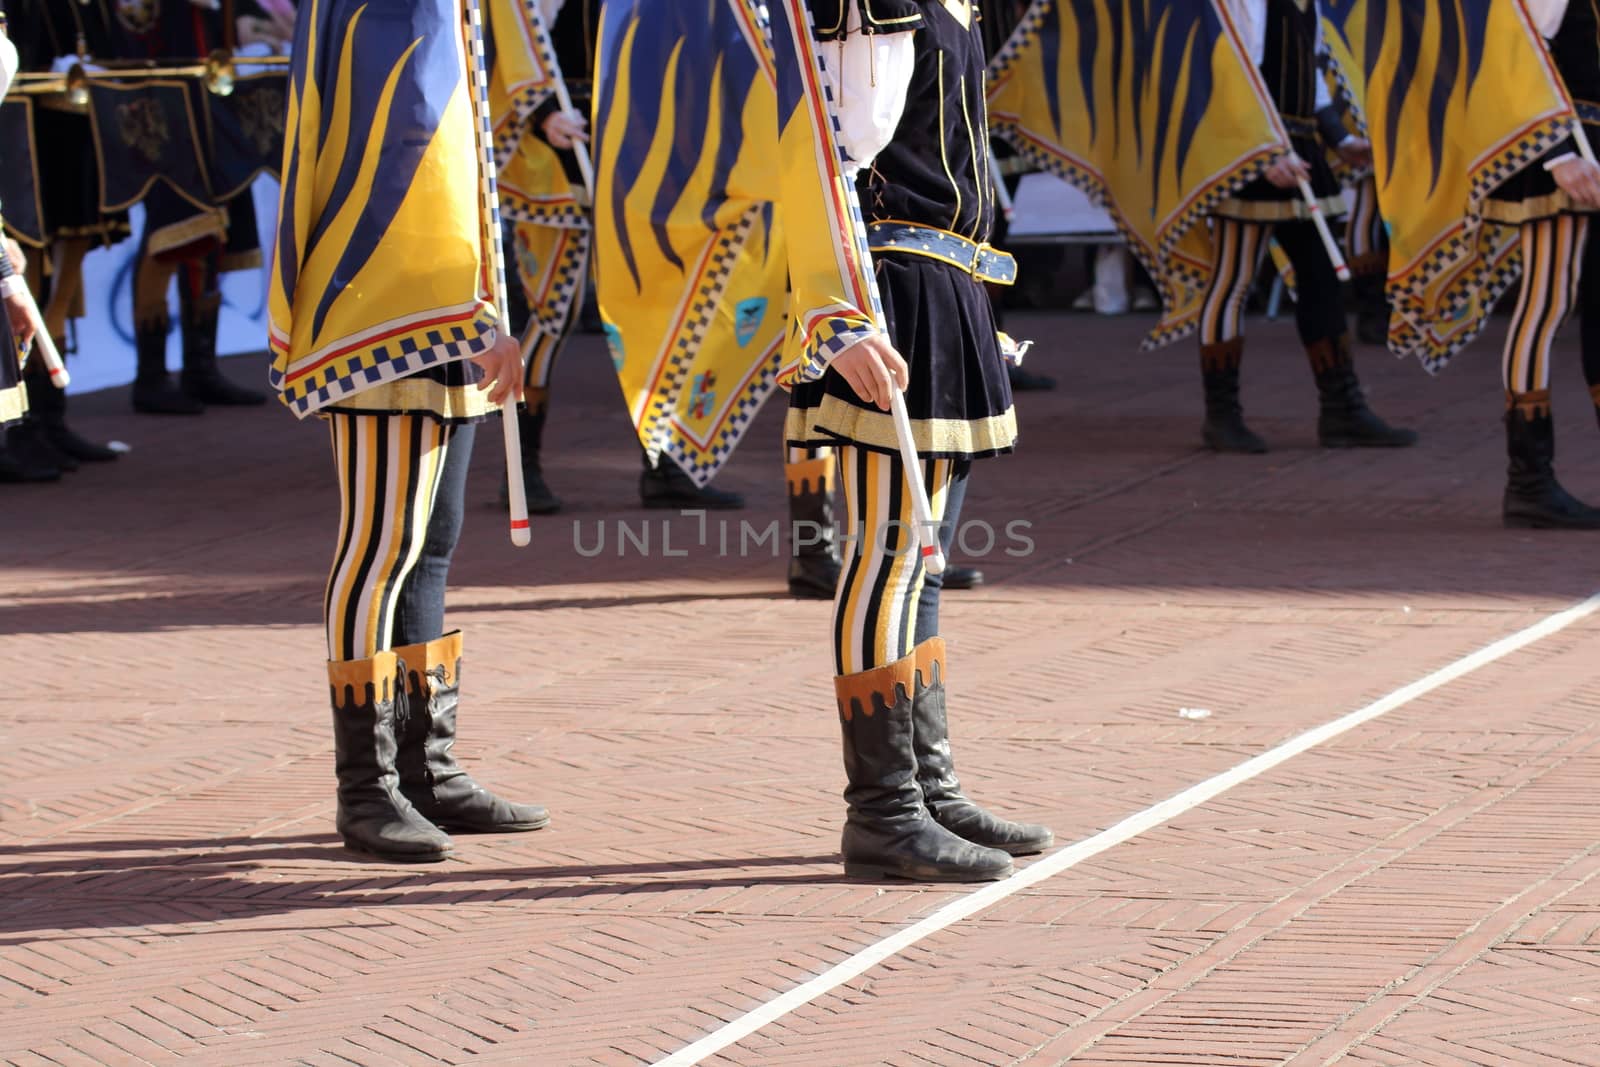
(935, 173)
(1532, 193)
(1289, 67)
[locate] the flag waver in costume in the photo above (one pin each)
(1471, 116)
(1150, 108)
(379, 296)
(1457, 96)
(710, 144)
(907, 80)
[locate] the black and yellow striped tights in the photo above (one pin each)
(401, 479)
(875, 614)
(1552, 258)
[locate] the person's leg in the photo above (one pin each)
(810, 475)
(430, 777)
(1237, 247)
(388, 468)
(1589, 305)
(1552, 253)
(933, 585)
(1366, 248)
(200, 314)
(552, 270)
(66, 285)
(172, 220)
(1344, 419)
(881, 679)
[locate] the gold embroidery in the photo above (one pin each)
(261, 113)
(144, 128)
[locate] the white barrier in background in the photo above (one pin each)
(103, 355)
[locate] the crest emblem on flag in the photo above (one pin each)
(747, 318)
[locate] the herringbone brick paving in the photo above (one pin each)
(1420, 890)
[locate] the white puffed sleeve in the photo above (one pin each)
(1547, 15)
(869, 76)
(8, 64)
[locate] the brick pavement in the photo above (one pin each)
(1420, 890)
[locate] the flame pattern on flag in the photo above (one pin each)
(383, 250)
(1456, 96)
(1153, 109)
(728, 252)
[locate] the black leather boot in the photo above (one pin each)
(888, 831)
(936, 770)
(201, 378)
(1224, 429)
(814, 555)
(962, 577)
(19, 464)
(1533, 498)
(1344, 419)
(668, 486)
(1372, 308)
(50, 405)
(28, 439)
(374, 816)
(430, 778)
(530, 427)
(153, 390)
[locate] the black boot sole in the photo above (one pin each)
(1541, 522)
(809, 591)
(395, 857)
(876, 871)
(1234, 448)
(499, 828)
(1367, 442)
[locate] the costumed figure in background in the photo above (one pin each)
(927, 194)
(1551, 205)
(1481, 178)
(59, 216)
(193, 238)
(381, 308)
(1282, 37)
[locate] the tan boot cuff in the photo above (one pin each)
(811, 475)
(348, 679)
(440, 652)
(1532, 405)
(1224, 355)
(869, 692)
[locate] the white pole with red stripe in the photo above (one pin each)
(41, 337)
(1340, 267)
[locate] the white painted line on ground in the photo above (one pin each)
(1129, 828)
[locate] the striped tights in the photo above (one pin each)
(389, 469)
(875, 610)
(1552, 254)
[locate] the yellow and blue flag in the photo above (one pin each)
(729, 257)
(383, 246)
(1153, 109)
(1457, 96)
